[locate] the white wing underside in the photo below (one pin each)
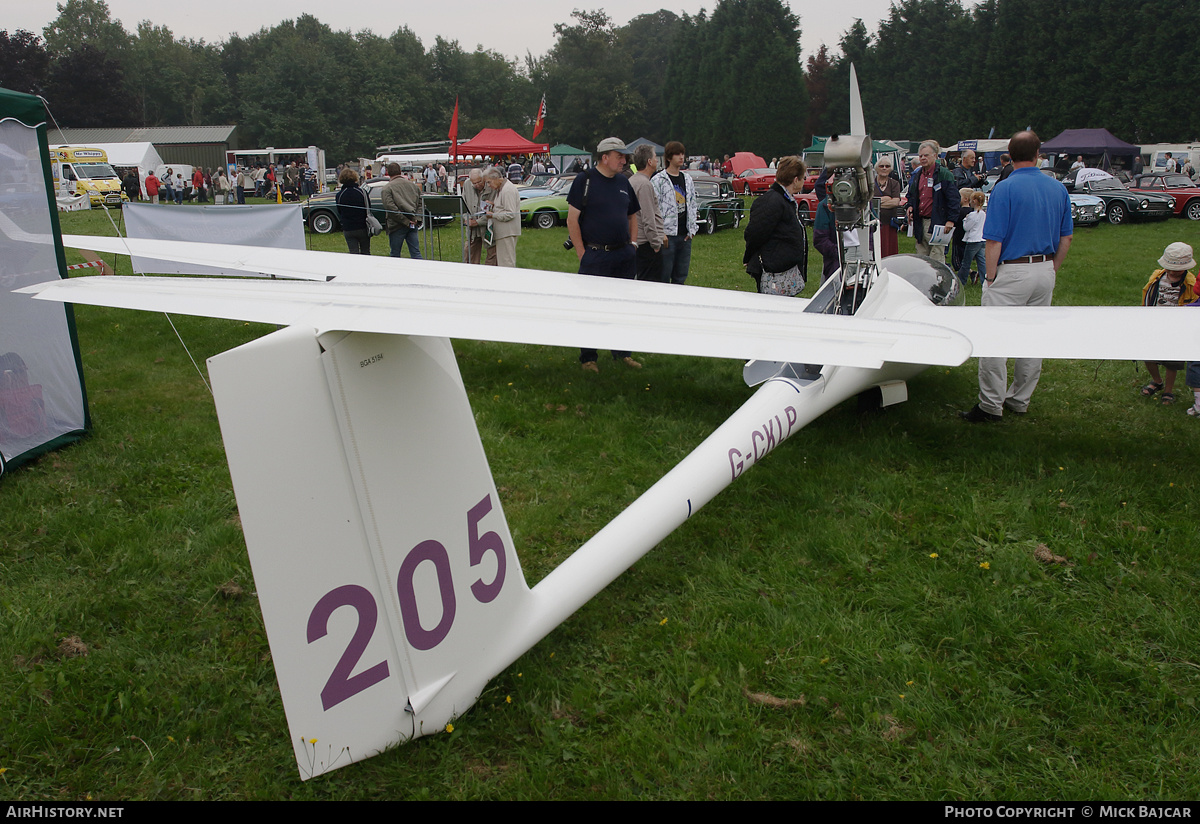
(414, 297)
(1076, 332)
(438, 299)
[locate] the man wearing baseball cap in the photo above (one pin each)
(602, 221)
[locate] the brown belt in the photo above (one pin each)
(1029, 259)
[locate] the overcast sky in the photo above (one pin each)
(511, 28)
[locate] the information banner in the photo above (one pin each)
(277, 227)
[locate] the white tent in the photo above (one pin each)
(142, 155)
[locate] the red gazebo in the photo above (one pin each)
(490, 142)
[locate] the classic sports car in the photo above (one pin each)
(1086, 210)
(753, 181)
(535, 181)
(1120, 204)
(545, 212)
(320, 211)
(557, 185)
(716, 204)
(1180, 188)
(806, 205)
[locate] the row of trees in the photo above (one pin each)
(724, 82)
(298, 83)
(935, 69)
(720, 84)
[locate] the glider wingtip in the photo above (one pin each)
(36, 289)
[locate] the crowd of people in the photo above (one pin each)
(294, 181)
(173, 187)
(629, 219)
(638, 223)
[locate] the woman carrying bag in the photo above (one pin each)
(352, 213)
(776, 242)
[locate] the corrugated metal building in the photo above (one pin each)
(193, 145)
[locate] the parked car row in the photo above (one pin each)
(1121, 204)
(320, 211)
(717, 206)
(1180, 188)
(1097, 195)
(1155, 196)
(546, 187)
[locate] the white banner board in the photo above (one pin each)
(276, 227)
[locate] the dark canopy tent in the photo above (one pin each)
(42, 400)
(1098, 143)
(658, 148)
(490, 142)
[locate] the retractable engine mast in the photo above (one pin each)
(849, 186)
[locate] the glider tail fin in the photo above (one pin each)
(384, 566)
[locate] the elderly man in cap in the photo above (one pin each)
(602, 221)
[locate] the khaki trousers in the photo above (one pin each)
(1016, 284)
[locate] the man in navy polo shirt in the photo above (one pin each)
(1027, 235)
(602, 221)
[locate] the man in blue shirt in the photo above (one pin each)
(1027, 235)
(602, 222)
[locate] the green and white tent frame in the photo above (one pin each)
(43, 403)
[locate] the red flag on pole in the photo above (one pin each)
(541, 118)
(454, 130)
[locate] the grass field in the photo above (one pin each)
(865, 615)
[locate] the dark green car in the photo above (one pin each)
(717, 206)
(320, 211)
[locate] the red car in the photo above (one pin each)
(753, 181)
(806, 204)
(1180, 188)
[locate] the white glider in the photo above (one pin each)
(389, 583)
(388, 580)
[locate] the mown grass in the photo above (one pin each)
(877, 575)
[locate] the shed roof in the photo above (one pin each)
(159, 135)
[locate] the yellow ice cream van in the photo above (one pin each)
(82, 170)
